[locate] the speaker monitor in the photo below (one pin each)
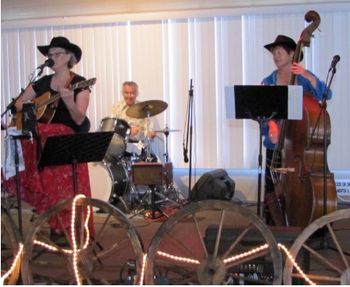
(215, 184)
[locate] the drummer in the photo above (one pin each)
(138, 127)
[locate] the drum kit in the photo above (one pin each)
(125, 178)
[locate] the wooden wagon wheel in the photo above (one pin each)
(325, 246)
(113, 242)
(10, 239)
(213, 242)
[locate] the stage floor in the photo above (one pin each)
(178, 235)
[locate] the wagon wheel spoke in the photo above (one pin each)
(105, 243)
(210, 242)
(326, 263)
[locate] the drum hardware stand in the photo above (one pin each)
(148, 201)
(151, 175)
(148, 148)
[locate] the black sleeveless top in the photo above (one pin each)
(62, 114)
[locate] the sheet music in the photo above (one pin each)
(295, 101)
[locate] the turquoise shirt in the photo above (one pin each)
(317, 92)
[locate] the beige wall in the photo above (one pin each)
(19, 10)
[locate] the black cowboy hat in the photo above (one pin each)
(285, 41)
(61, 42)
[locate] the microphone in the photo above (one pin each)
(335, 60)
(185, 155)
(191, 89)
(48, 63)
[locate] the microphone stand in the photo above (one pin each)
(324, 243)
(323, 112)
(189, 133)
(32, 79)
(11, 107)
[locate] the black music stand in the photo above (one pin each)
(261, 103)
(74, 149)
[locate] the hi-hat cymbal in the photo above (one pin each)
(143, 109)
(166, 130)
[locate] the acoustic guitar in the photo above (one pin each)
(44, 110)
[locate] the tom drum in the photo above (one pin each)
(121, 131)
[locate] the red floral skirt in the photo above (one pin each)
(44, 188)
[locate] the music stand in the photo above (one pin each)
(261, 103)
(73, 149)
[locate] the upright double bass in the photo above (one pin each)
(301, 148)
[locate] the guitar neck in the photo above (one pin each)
(49, 101)
(56, 96)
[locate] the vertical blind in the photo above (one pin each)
(162, 56)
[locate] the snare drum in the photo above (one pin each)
(121, 131)
(108, 180)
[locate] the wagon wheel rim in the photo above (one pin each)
(332, 269)
(100, 262)
(10, 239)
(211, 266)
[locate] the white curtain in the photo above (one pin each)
(163, 55)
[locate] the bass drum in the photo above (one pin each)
(108, 180)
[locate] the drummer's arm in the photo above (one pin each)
(134, 130)
(152, 134)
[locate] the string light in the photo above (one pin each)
(242, 255)
(14, 264)
(177, 258)
(86, 226)
(247, 253)
(75, 249)
(51, 247)
(290, 257)
(144, 261)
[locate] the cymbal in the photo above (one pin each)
(143, 109)
(166, 131)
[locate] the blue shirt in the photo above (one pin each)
(317, 92)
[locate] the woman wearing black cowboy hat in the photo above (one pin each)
(282, 50)
(44, 188)
(71, 109)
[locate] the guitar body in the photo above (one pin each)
(45, 105)
(44, 113)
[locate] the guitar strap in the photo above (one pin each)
(67, 85)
